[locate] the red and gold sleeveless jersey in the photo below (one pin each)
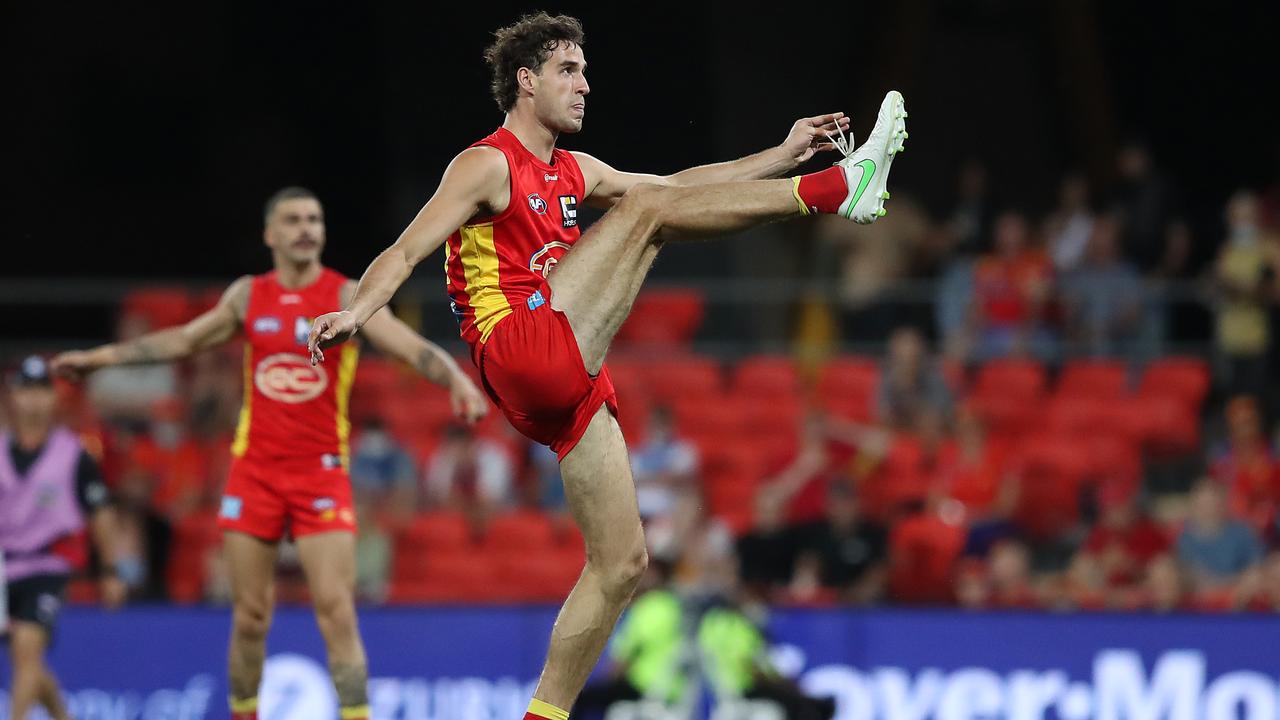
(493, 264)
(292, 411)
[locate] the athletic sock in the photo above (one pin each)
(244, 709)
(355, 712)
(539, 710)
(820, 192)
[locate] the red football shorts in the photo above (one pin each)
(266, 499)
(533, 371)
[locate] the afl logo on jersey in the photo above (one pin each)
(289, 378)
(546, 258)
(537, 204)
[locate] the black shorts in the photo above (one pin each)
(38, 599)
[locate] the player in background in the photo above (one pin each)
(289, 472)
(51, 496)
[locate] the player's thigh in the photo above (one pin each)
(601, 493)
(329, 562)
(251, 570)
(596, 282)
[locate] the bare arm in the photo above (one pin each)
(387, 333)
(209, 329)
(605, 185)
(474, 183)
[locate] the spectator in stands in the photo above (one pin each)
(1165, 588)
(172, 464)
(1267, 596)
(1068, 228)
(1124, 541)
(1102, 298)
(1011, 290)
(1003, 581)
(976, 474)
(851, 550)
(665, 467)
(1248, 467)
(1217, 550)
(469, 474)
(543, 485)
(130, 391)
(1145, 203)
(767, 552)
(373, 557)
(1244, 282)
(911, 382)
(970, 220)
(382, 471)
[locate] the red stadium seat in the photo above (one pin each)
(446, 577)
(434, 532)
(1023, 379)
(194, 537)
(1098, 379)
(1053, 471)
(539, 576)
(683, 377)
(767, 377)
(1184, 378)
(923, 550)
(849, 375)
(667, 316)
(520, 532)
(1168, 425)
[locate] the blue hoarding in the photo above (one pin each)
(480, 663)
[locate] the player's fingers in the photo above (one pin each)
(823, 147)
(820, 120)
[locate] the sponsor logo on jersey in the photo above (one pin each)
(536, 300)
(569, 210)
(329, 461)
(324, 503)
(301, 330)
(290, 378)
(231, 507)
(266, 325)
(548, 177)
(546, 258)
(290, 299)
(537, 204)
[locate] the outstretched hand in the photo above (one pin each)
(469, 404)
(809, 135)
(329, 330)
(74, 364)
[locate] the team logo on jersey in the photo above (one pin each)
(537, 204)
(569, 210)
(301, 329)
(290, 378)
(266, 325)
(546, 258)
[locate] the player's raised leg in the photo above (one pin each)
(329, 561)
(251, 565)
(597, 280)
(602, 498)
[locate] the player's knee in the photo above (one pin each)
(336, 614)
(251, 621)
(644, 204)
(622, 575)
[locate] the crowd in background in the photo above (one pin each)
(927, 489)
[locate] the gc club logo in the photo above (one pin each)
(290, 378)
(546, 258)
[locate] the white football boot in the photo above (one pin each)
(866, 170)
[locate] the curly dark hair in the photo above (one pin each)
(526, 43)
